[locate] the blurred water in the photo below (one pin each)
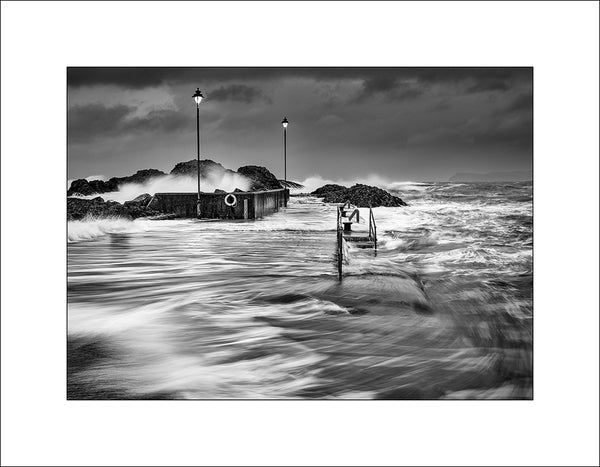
(197, 309)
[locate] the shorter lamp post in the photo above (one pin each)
(285, 122)
(198, 98)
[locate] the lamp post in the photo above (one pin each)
(198, 98)
(285, 122)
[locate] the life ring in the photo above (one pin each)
(230, 200)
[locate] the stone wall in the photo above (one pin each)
(249, 205)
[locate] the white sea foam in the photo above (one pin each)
(91, 228)
(96, 177)
(316, 181)
(210, 309)
(149, 336)
(174, 183)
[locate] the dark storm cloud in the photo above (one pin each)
(508, 132)
(389, 86)
(238, 93)
(521, 102)
(161, 120)
(88, 122)
(141, 77)
(481, 74)
(84, 121)
(412, 122)
(377, 84)
(406, 83)
(503, 129)
(384, 78)
(490, 85)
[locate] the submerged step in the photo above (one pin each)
(357, 238)
(365, 244)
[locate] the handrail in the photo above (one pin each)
(340, 242)
(372, 226)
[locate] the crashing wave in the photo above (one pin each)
(91, 227)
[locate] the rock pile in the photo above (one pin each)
(360, 195)
(327, 189)
(78, 208)
(83, 187)
(207, 167)
(260, 178)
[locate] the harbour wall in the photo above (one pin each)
(248, 204)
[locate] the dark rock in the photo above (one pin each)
(141, 176)
(138, 207)
(237, 190)
(207, 167)
(260, 178)
(83, 187)
(141, 200)
(79, 208)
(362, 196)
(153, 204)
(329, 188)
(219, 191)
(101, 186)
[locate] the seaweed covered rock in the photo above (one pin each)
(360, 195)
(79, 208)
(141, 176)
(138, 207)
(83, 187)
(207, 167)
(260, 178)
(141, 200)
(326, 189)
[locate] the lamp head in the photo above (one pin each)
(198, 96)
(285, 122)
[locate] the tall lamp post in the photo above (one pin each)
(198, 98)
(285, 122)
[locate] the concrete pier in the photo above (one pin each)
(247, 205)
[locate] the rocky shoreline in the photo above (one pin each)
(78, 208)
(260, 179)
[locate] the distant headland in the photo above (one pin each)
(516, 176)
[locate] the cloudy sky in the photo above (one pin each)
(400, 124)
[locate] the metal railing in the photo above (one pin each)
(372, 227)
(340, 242)
(341, 215)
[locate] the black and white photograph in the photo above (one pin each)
(290, 233)
(339, 233)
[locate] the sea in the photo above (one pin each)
(189, 309)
